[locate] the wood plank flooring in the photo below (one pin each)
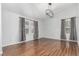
(43, 47)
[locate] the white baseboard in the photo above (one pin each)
(62, 39)
(69, 40)
(39, 38)
(13, 43)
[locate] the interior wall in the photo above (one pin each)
(10, 28)
(41, 28)
(52, 26)
(0, 33)
(77, 23)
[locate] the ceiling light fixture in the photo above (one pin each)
(49, 11)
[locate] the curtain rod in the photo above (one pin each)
(30, 19)
(27, 19)
(71, 17)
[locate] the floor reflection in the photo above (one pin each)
(69, 47)
(36, 46)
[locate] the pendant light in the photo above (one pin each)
(49, 11)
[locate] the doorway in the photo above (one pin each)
(31, 30)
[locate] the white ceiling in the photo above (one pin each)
(34, 10)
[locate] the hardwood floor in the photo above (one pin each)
(43, 47)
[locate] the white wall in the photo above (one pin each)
(10, 28)
(41, 28)
(0, 33)
(77, 23)
(52, 26)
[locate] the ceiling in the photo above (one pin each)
(34, 10)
